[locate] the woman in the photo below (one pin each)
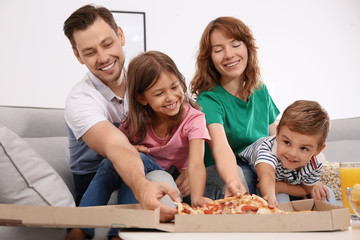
(236, 103)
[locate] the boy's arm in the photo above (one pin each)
(317, 191)
(320, 192)
(293, 190)
(197, 172)
(266, 175)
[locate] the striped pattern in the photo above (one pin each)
(264, 151)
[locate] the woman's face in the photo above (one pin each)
(229, 56)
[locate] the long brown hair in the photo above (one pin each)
(143, 72)
(206, 76)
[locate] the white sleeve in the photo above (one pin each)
(82, 111)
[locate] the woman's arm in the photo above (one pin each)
(197, 172)
(225, 160)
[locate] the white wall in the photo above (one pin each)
(308, 49)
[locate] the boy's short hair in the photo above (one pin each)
(306, 117)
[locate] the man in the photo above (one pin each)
(98, 103)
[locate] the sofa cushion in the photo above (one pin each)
(55, 150)
(26, 178)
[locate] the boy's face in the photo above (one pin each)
(100, 49)
(295, 149)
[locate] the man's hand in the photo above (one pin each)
(182, 182)
(150, 195)
(234, 189)
(320, 192)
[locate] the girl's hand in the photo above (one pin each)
(182, 182)
(142, 148)
(234, 189)
(271, 199)
(320, 192)
(199, 201)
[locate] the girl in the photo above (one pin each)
(163, 122)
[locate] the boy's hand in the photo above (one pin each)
(199, 201)
(234, 189)
(141, 148)
(271, 199)
(320, 192)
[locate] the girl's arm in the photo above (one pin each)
(266, 175)
(197, 172)
(225, 160)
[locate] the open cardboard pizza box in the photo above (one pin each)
(319, 217)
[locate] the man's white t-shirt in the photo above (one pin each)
(89, 102)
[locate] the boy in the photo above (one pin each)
(291, 161)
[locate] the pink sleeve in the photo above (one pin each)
(196, 128)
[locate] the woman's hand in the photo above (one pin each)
(182, 182)
(199, 201)
(234, 189)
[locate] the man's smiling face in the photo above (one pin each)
(99, 47)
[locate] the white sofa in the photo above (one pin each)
(42, 135)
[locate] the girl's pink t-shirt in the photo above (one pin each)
(176, 150)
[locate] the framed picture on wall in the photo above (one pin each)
(133, 26)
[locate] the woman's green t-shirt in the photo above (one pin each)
(244, 122)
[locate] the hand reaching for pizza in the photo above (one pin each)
(234, 189)
(199, 201)
(271, 199)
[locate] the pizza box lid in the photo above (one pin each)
(319, 216)
(124, 216)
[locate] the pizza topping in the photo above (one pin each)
(245, 204)
(249, 209)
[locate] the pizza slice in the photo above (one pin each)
(245, 204)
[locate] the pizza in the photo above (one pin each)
(245, 204)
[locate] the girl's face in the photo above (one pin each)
(229, 56)
(165, 96)
(296, 149)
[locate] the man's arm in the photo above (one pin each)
(108, 141)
